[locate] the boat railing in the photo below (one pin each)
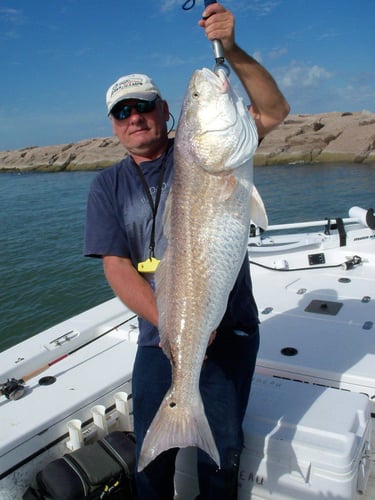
(287, 237)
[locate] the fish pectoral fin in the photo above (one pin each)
(228, 184)
(258, 212)
(176, 427)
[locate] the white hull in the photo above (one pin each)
(315, 298)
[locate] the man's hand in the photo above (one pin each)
(212, 337)
(219, 25)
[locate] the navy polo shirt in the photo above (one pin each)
(119, 222)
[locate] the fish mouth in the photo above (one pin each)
(218, 85)
(218, 80)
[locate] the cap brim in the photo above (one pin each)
(144, 96)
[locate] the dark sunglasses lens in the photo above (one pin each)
(124, 111)
(142, 106)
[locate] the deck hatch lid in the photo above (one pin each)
(327, 307)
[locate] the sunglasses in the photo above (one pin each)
(123, 111)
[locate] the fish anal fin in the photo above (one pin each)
(165, 345)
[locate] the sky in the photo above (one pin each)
(58, 57)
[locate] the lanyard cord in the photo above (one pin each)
(154, 206)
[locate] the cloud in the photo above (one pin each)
(259, 8)
(164, 60)
(300, 34)
(329, 35)
(278, 52)
(257, 55)
(358, 92)
(83, 51)
(13, 16)
(10, 21)
(262, 8)
(314, 89)
(169, 60)
(302, 75)
(167, 5)
(308, 88)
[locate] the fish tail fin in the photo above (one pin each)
(175, 427)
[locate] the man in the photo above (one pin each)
(124, 227)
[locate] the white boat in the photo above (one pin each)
(308, 429)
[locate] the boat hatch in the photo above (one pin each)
(324, 307)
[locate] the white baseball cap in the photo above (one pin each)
(135, 86)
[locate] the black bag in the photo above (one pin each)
(104, 469)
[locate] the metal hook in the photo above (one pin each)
(221, 66)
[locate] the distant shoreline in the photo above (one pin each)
(318, 138)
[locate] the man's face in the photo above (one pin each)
(141, 132)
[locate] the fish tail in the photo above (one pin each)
(175, 427)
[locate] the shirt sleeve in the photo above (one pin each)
(104, 232)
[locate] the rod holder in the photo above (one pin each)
(75, 434)
(100, 420)
(122, 407)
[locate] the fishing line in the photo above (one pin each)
(216, 44)
(189, 4)
(173, 123)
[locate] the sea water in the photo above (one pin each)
(44, 278)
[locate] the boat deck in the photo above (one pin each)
(318, 320)
(316, 305)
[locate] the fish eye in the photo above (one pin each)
(195, 95)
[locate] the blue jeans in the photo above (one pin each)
(225, 385)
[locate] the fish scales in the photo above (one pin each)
(206, 223)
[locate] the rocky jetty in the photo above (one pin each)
(323, 138)
(90, 154)
(327, 137)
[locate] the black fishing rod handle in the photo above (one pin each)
(217, 47)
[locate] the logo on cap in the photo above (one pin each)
(126, 84)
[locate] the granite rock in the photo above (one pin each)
(325, 137)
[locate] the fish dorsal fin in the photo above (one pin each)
(257, 210)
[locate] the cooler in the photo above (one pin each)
(302, 441)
